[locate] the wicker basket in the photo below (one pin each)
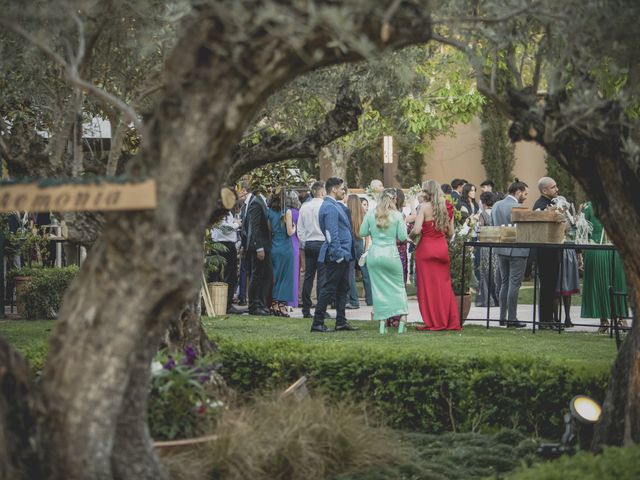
(489, 234)
(218, 293)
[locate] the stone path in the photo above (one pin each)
(525, 313)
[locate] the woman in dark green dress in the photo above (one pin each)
(597, 277)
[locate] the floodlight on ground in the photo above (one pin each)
(582, 410)
(585, 409)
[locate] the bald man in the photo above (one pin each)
(548, 259)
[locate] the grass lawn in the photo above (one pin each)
(578, 350)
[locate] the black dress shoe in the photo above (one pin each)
(502, 323)
(307, 315)
(263, 312)
(321, 329)
(346, 327)
(242, 303)
(568, 323)
(348, 306)
(516, 324)
(234, 311)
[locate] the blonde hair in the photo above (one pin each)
(433, 193)
(386, 203)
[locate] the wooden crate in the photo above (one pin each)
(538, 227)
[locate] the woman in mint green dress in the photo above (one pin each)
(386, 226)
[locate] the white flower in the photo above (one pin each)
(156, 367)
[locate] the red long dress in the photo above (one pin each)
(435, 295)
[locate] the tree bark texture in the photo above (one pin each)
(18, 435)
(146, 265)
(593, 152)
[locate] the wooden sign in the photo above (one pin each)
(103, 196)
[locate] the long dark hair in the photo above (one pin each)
(472, 204)
(357, 213)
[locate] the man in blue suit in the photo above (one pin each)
(336, 252)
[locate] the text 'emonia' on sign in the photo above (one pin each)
(105, 196)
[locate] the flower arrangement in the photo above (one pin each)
(579, 227)
(462, 234)
(184, 400)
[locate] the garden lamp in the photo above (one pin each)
(585, 409)
(582, 410)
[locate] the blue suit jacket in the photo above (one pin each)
(335, 224)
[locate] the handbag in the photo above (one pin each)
(415, 238)
(363, 259)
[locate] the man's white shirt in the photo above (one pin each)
(309, 222)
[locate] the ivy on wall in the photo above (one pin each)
(498, 153)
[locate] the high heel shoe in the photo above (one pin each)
(274, 310)
(283, 308)
(402, 324)
(604, 326)
(383, 326)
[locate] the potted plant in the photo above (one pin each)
(214, 263)
(27, 252)
(462, 235)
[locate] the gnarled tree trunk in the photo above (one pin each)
(146, 265)
(598, 160)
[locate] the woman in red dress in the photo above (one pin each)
(435, 294)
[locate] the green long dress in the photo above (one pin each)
(385, 267)
(597, 276)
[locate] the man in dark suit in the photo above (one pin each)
(456, 186)
(548, 259)
(258, 233)
(336, 252)
(244, 196)
(511, 261)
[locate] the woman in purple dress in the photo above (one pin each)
(293, 204)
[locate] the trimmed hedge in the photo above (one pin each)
(43, 294)
(612, 464)
(417, 391)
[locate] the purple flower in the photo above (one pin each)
(190, 355)
(170, 365)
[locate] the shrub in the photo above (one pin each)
(420, 392)
(310, 439)
(612, 464)
(183, 399)
(43, 294)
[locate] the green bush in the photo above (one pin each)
(414, 391)
(182, 399)
(44, 292)
(309, 439)
(612, 464)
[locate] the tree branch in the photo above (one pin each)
(488, 20)
(340, 121)
(71, 73)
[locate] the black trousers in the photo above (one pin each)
(260, 282)
(230, 270)
(311, 266)
(336, 286)
(548, 270)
